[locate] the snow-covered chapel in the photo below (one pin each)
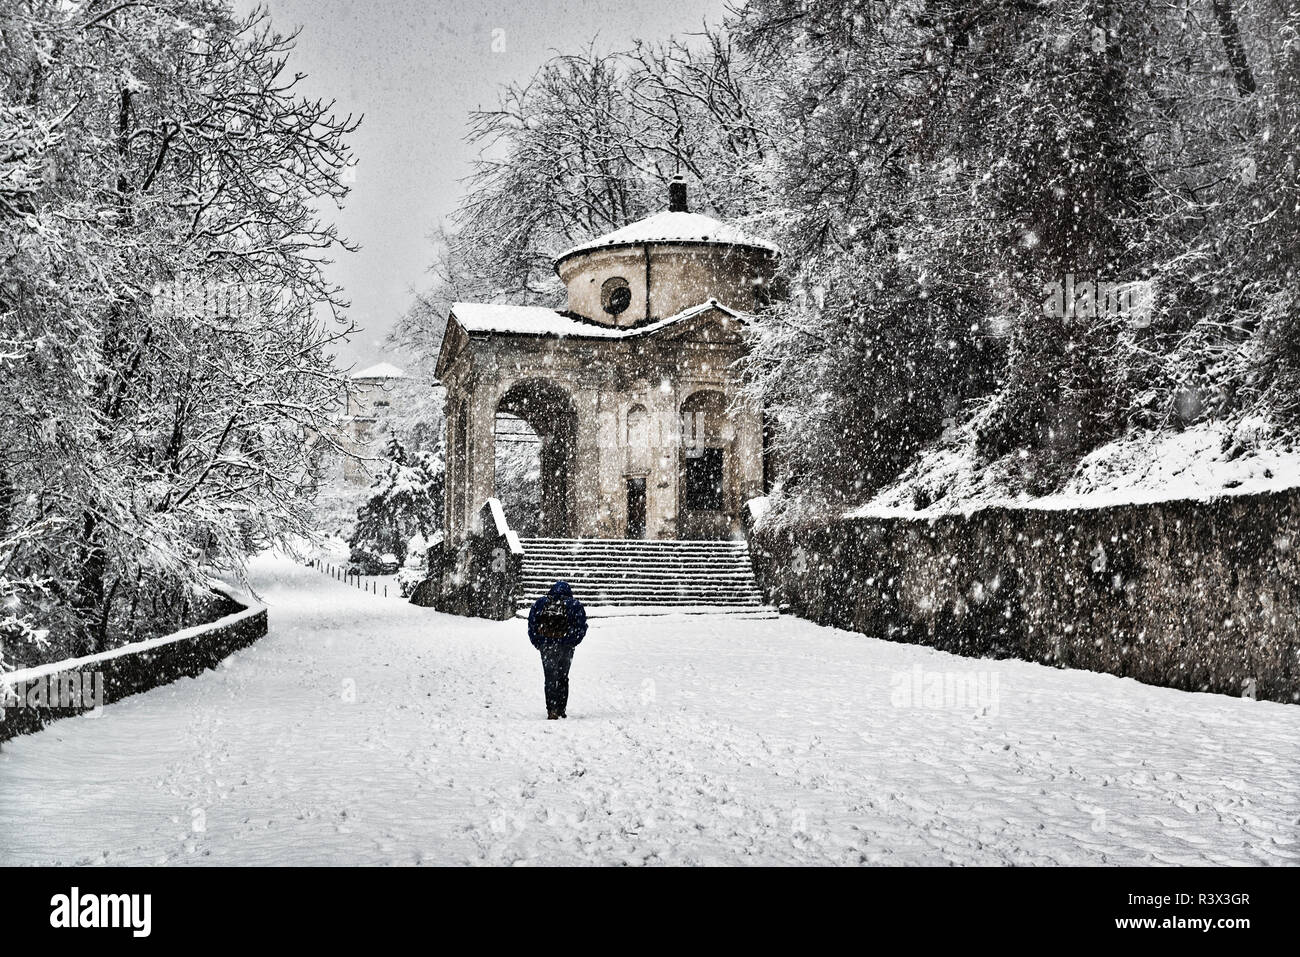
(630, 387)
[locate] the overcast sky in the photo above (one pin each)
(415, 68)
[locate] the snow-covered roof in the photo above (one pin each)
(671, 227)
(483, 317)
(521, 320)
(382, 370)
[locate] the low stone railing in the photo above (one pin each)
(31, 698)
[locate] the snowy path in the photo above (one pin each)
(688, 742)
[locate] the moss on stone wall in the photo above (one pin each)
(1197, 595)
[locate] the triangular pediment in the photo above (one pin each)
(712, 325)
(454, 339)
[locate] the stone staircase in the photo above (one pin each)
(643, 577)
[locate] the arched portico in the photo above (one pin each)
(706, 490)
(548, 411)
(616, 417)
(628, 394)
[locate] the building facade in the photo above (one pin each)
(371, 396)
(632, 388)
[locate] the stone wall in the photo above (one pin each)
(30, 698)
(478, 576)
(1197, 595)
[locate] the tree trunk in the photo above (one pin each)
(1232, 45)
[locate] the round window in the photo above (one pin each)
(615, 295)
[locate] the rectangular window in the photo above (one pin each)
(704, 481)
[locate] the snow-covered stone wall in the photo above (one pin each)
(479, 576)
(1198, 595)
(33, 697)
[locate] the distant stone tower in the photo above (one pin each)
(631, 388)
(374, 390)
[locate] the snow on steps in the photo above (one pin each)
(761, 612)
(643, 577)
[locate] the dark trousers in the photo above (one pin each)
(555, 664)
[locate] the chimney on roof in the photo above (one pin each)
(677, 195)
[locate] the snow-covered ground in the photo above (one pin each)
(364, 731)
(1200, 462)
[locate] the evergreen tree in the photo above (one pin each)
(405, 500)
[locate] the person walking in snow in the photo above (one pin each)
(557, 623)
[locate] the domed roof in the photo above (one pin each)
(671, 227)
(383, 370)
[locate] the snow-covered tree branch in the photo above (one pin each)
(164, 310)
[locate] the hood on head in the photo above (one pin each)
(561, 590)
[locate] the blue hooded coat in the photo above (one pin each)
(573, 610)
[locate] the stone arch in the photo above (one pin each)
(636, 437)
(548, 410)
(705, 489)
(704, 413)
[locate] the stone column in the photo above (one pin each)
(584, 478)
(666, 442)
(611, 510)
(748, 455)
(481, 442)
(450, 525)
